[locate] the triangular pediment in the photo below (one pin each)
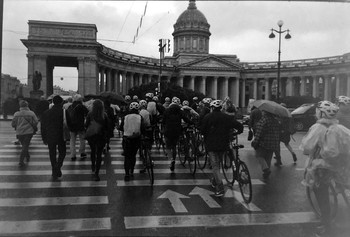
(210, 62)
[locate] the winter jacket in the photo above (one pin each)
(24, 121)
(172, 120)
(216, 128)
(80, 111)
(52, 125)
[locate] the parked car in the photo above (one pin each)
(304, 116)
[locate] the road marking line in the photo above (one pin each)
(53, 201)
(181, 170)
(230, 193)
(46, 172)
(42, 163)
(205, 195)
(58, 184)
(175, 200)
(179, 182)
(66, 225)
(220, 220)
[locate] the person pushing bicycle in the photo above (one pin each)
(327, 145)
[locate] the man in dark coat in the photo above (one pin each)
(216, 128)
(172, 128)
(77, 126)
(52, 135)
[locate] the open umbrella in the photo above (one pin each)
(113, 97)
(272, 107)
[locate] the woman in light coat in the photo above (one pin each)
(25, 122)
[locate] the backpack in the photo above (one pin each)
(73, 115)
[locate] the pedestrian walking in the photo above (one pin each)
(266, 141)
(111, 123)
(255, 116)
(172, 128)
(96, 134)
(132, 127)
(327, 145)
(216, 128)
(25, 123)
(52, 135)
(41, 107)
(77, 113)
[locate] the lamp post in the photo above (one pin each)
(271, 36)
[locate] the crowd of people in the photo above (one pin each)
(326, 143)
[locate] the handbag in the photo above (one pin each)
(66, 133)
(94, 128)
(250, 135)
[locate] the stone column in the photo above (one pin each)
(30, 71)
(225, 88)
(109, 80)
(255, 88)
(202, 85)
(124, 84)
(267, 89)
(214, 88)
(242, 93)
(191, 84)
(327, 88)
(180, 81)
(302, 86)
(315, 86)
(49, 81)
(88, 76)
(116, 82)
(140, 79)
(289, 86)
(102, 79)
(235, 98)
(337, 85)
(131, 80)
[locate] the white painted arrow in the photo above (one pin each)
(174, 199)
(234, 194)
(205, 195)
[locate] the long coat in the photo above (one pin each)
(52, 125)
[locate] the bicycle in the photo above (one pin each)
(146, 157)
(335, 188)
(202, 155)
(159, 137)
(186, 149)
(234, 169)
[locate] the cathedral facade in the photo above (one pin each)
(191, 66)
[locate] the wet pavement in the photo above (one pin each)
(178, 204)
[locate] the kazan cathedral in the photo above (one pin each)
(191, 66)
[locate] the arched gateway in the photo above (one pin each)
(100, 68)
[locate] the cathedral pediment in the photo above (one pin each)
(210, 62)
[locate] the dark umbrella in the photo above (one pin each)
(113, 97)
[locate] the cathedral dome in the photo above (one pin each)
(191, 31)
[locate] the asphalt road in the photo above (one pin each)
(31, 204)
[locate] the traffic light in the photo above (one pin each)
(160, 45)
(168, 45)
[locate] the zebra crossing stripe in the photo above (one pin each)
(219, 220)
(167, 171)
(58, 184)
(45, 172)
(43, 226)
(43, 163)
(174, 182)
(53, 201)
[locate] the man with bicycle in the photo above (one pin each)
(216, 128)
(327, 144)
(172, 128)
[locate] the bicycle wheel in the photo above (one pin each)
(228, 168)
(149, 165)
(314, 203)
(157, 140)
(191, 159)
(202, 155)
(244, 182)
(181, 151)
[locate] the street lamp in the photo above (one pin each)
(271, 36)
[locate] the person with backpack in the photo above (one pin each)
(286, 130)
(132, 127)
(77, 113)
(343, 115)
(327, 146)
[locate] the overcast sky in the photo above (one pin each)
(237, 27)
